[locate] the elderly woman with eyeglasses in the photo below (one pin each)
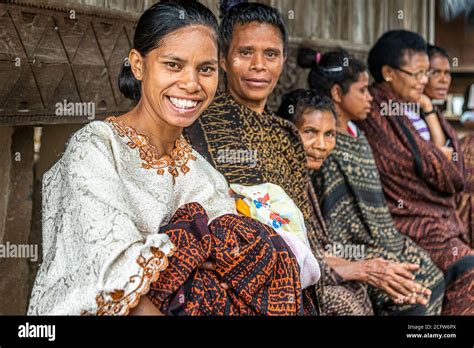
(420, 179)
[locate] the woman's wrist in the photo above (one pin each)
(424, 113)
(363, 273)
(356, 270)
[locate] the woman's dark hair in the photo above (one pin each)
(334, 68)
(392, 48)
(436, 50)
(248, 12)
(154, 24)
(295, 103)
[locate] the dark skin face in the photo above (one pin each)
(439, 83)
(355, 104)
(179, 80)
(253, 64)
(407, 87)
(317, 129)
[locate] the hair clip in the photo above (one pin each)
(334, 69)
(318, 57)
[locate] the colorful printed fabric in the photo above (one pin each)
(260, 270)
(270, 205)
(420, 185)
(354, 208)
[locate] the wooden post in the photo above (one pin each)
(14, 290)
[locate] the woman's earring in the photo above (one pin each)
(388, 79)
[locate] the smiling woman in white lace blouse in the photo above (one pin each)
(120, 180)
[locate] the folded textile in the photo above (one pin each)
(269, 204)
(251, 258)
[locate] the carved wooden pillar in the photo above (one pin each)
(61, 54)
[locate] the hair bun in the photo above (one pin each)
(307, 57)
(226, 5)
(128, 85)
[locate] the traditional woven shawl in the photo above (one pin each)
(418, 181)
(465, 200)
(261, 271)
(250, 148)
(420, 186)
(354, 209)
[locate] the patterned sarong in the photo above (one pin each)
(260, 270)
(465, 201)
(353, 205)
(420, 186)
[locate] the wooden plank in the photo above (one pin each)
(370, 34)
(344, 19)
(331, 44)
(327, 19)
(381, 18)
(358, 22)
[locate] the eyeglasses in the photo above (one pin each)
(418, 75)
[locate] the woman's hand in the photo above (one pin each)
(447, 151)
(145, 307)
(432, 121)
(425, 103)
(396, 279)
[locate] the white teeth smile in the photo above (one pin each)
(183, 103)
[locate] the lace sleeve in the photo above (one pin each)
(97, 258)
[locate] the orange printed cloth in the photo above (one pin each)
(261, 272)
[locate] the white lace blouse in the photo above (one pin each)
(104, 202)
